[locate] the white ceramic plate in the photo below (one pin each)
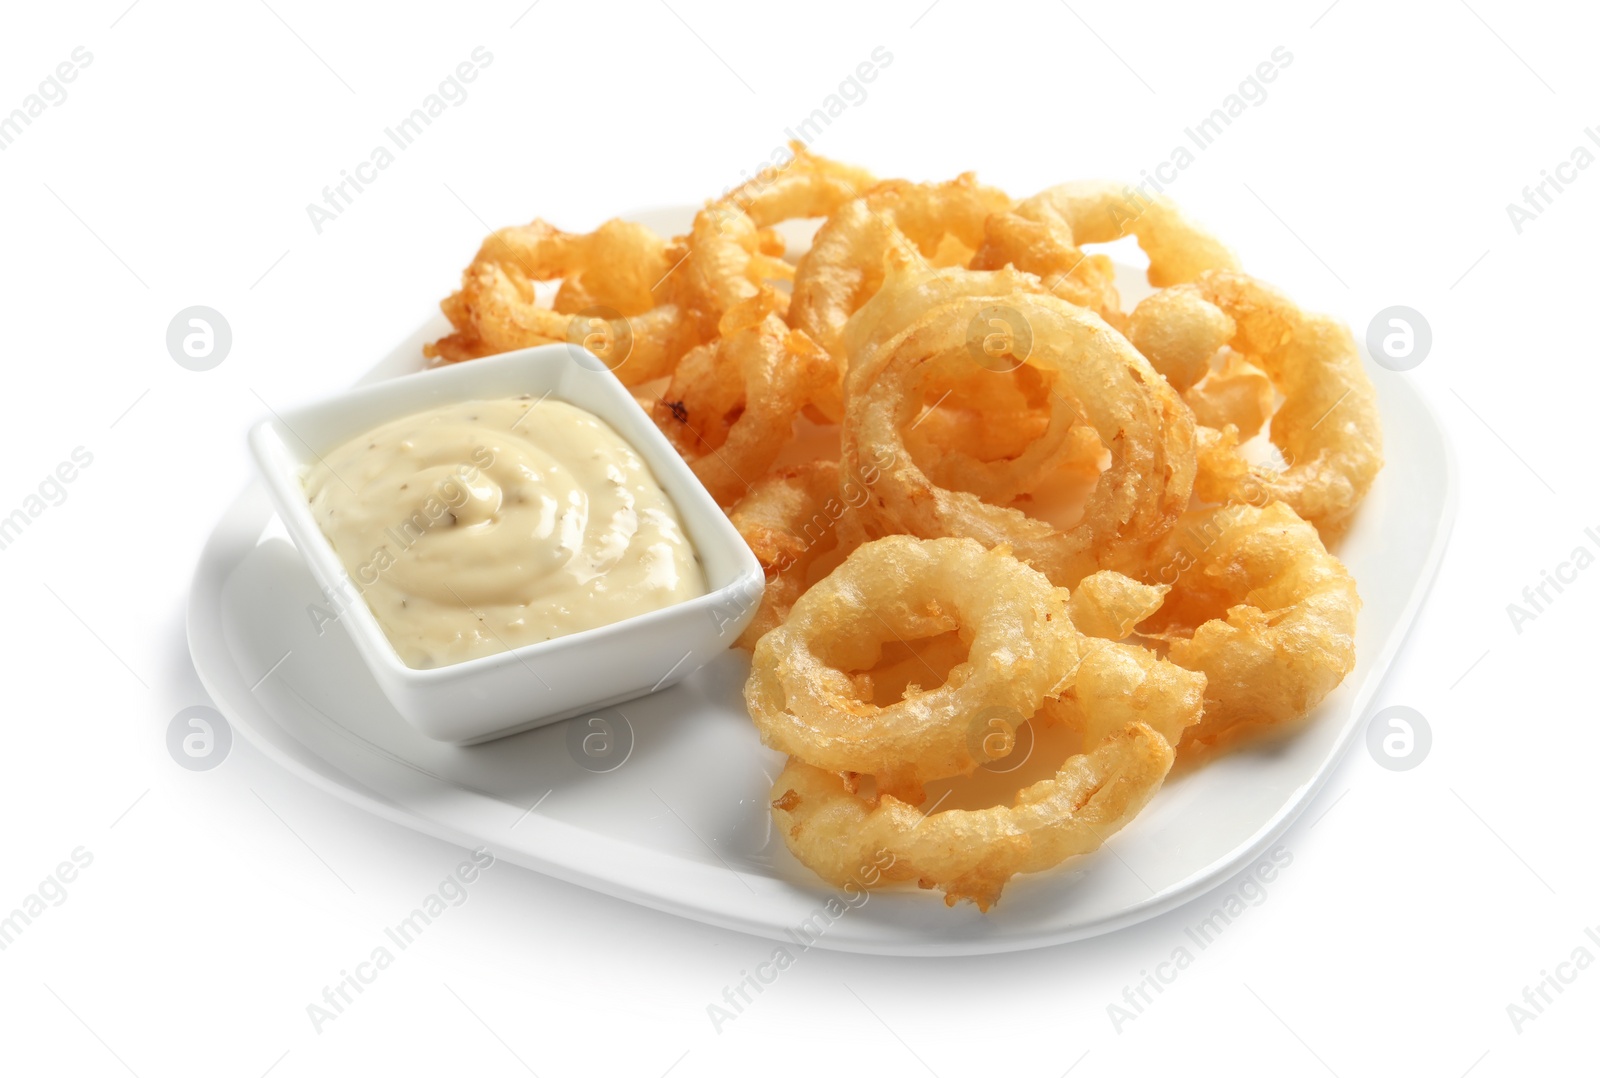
(682, 824)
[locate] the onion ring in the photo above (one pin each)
(731, 405)
(610, 271)
(789, 518)
(1327, 428)
(1261, 608)
(1132, 409)
(1109, 605)
(1099, 211)
(805, 702)
(1238, 394)
(846, 263)
(1034, 237)
(971, 853)
(1116, 684)
(731, 251)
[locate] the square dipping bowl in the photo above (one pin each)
(497, 695)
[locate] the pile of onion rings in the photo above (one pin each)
(988, 499)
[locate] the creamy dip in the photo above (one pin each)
(479, 527)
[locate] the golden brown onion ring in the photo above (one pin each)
(846, 263)
(1327, 428)
(789, 518)
(1116, 684)
(1099, 211)
(609, 272)
(731, 251)
(731, 405)
(1109, 605)
(805, 701)
(1260, 607)
(1132, 409)
(971, 853)
(1238, 394)
(1034, 237)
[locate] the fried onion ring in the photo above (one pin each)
(1261, 608)
(1020, 644)
(1034, 237)
(731, 405)
(1107, 383)
(1099, 211)
(971, 853)
(789, 518)
(608, 307)
(1109, 605)
(731, 249)
(846, 263)
(1327, 428)
(1116, 684)
(967, 476)
(1238, 394)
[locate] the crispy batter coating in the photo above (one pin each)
(790, 518)
(1035, 237)
(730, 407)
(606, 303)
(846, 263)
(1109, 605)
(971, 853)
(732, 251)
(1238, 394)
(1261, 608)
(1099, 211)
(1116, 684)
(1327, 429)
(1103, 381)
(806, 701)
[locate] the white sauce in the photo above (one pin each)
(479, 527)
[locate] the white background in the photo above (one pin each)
(218, 904)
